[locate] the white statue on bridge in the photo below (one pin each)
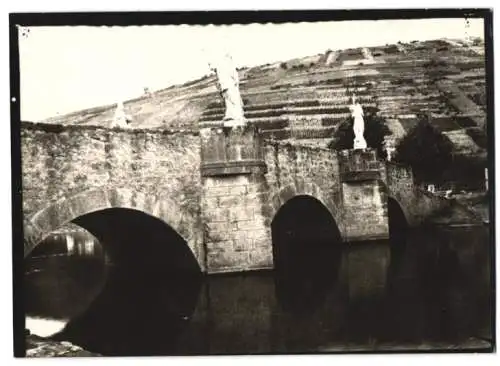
(359, 124)
(227, 76)
(121, 119)
(390, 149)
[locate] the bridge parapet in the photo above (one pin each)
(416, 203)
(359, 165)
(398, 174)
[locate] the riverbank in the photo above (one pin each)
(470, 345)
(43, 347)
(479, 203)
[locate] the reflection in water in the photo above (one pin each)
(61, 279)
(398, 231)
(306, 252)
(79, 243)
(136, 314)
(438, 292)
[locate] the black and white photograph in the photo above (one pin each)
(253, 183)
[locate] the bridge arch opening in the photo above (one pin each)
(307, 249)
(398, 224)
(138, 240)
(398, 233)
(153, 283)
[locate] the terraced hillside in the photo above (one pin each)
(306, 99)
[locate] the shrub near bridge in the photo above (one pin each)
(426, 150)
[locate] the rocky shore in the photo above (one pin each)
(43, 347)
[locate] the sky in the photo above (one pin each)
(65, 69)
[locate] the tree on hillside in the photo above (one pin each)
(427, 151)
(466, 172)
(375, 132)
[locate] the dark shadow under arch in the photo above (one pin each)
(398, 233)
(307, 249)
(137, 314)
(137, 240)
(151, 289)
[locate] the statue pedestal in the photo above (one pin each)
(359, 144)
(232, 149)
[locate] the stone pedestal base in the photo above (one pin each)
(359, 143)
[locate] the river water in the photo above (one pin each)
(437, 294)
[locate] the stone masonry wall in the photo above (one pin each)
(290, 165)
(365, 210)
(235, 233)
(400, 185)
(61, 162)
(416, 203)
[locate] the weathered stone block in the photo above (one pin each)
(354, 176)
(226, 201)
(249, 225)
(237, 190)
(259, 234)
(231, 151)
(287, 193)
(53, 216)
(241, 214)
(218, 214)
(227, 261)
(300, 184)
(220, 246)
(218, 227)
(242, 242)
(94, 199)
(217, 191)
(267, 211)
(262, 241)
(32, 236)
(209, 202)
(261, 258)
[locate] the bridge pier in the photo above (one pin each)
(366, 256)
(232, 168)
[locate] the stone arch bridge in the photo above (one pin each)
(218, 188)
